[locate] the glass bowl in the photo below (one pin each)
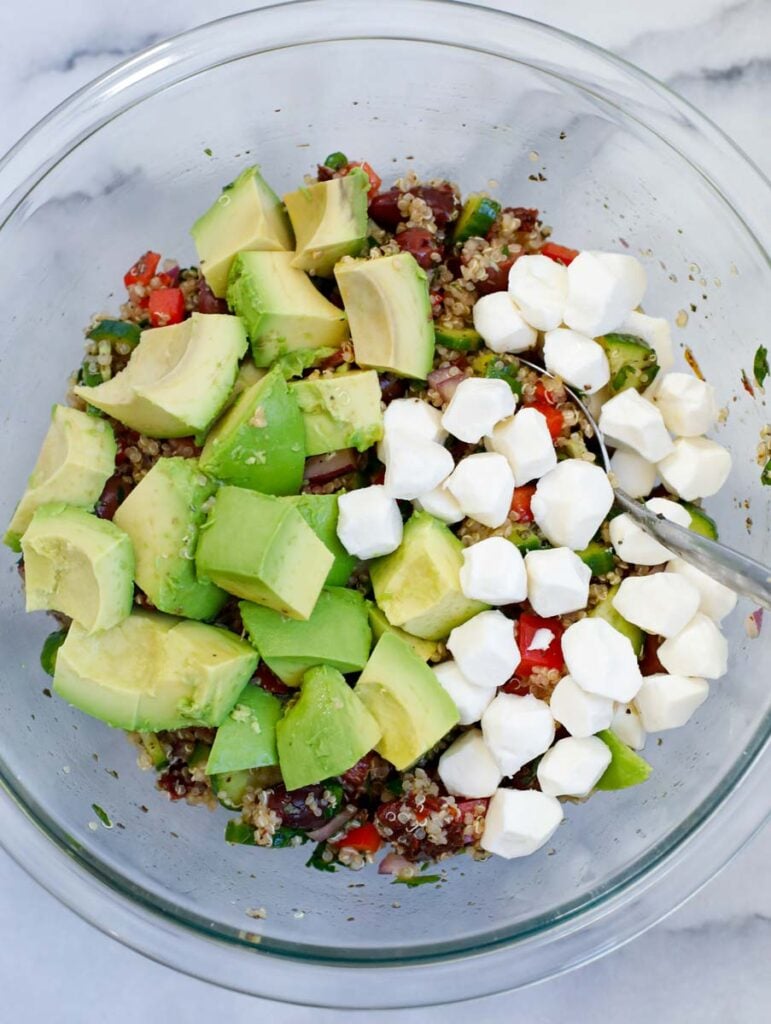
(493, 101)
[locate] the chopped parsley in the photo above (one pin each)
(760, 366)
(316, 859)
(416, 880)
(102, 815)
(765, 474)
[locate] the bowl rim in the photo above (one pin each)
(581, 933)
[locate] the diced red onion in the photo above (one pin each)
(320, 469)
(445, 380)
(755, 621)
(394, 864)
(329, 828)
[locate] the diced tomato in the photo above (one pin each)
(543, 394)
(375, 181)
(554, 420)
(551, 656)
(520, 502)
(167, 306)
(143, 270)
(559, 253)
(365, 838)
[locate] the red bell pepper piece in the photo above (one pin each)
(559, 253)
(554, 420)
(143, 270)
(167, 306)
(520, 502)
(375, 181)
(551, 656)
(365, 839)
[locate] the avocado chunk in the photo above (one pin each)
(418, 586)
(329, 220)
(280, 307)
(247, 375)
(248, 215)
(626, 767)
(336, 634)
(177, 379)
(78, 565)
(320, 512)
(605, 610)
(389, 312)
(154, 672)
(406, 699)
(379, 624)
(260, 441)
(162, 516)
(325, 731)
(76, 459)
(257, 547)
(247, 737)
(340, 411)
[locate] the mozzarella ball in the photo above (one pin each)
(369, 522)
(483, 486)
(699, 649)
(519, 822)
(603, 288)
(517, 729)
(601, 660)
(499, 321)
(557, 581)
(661, 603)
(414, 466)
(441, 504)
(571, 502)
(493, 571)
(470, 700)
(687, 404)
(467, 768)
(526, 443)
(581, 713)
(696, 468)
(484, 649)
(416, 417)
(476, 406)
(573, 766)
(578, 360)
(715, 599)
(633, 473)
(538, 285)
(667, 702)
(634, 545)
(627, 725)
(630, 421)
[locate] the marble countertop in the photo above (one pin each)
(709, 960)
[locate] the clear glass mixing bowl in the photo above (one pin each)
(612, 159)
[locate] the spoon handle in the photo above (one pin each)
(742, 574)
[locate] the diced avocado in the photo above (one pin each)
(605, 610)
(154, 672)
(626, 768)
(425, 649)
(461, 339)
(406, 699)
(329, 220)
(632, 361)
(281, 308)
(340, 411)
(76, 458)
(260, 441)
(525, 539)
(162, 516)
(247, 216)
(418, 586)
(336, 634)
(177, 379)
(598, 558)
(50, 649)
(78, 565)
(325, 731)
(320, 512)
(389, 312)
(247, 737)
(700, 521)
(257, 547)
(247, 375)
(478, 215)
(294, 364)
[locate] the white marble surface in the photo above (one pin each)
(709, 961)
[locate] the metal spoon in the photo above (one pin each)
(743, 575)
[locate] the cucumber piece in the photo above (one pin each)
(605, 610)
(199, 756)
(50, 649)
(115, 330)
(336, 161)
(526, 539)
(700, 521)
(90, 375)
(632, 361)
(492, 366)
(239, 832)
(626, 767)
(155, 749)
(598, 558)
(461, 339)
(229, 787)
(478, 215)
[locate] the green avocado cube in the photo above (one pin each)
(76, 459)
(418, 586)
(153, 672)
(329, 220)
(79, 565)
(257, 547)
(162, 516)
(336, 634)
(406, 699)
(379, 624)
(247, 215)
(282, 310)
(260, 441)
(626, 767)
(325, 731)
(320, 512)
(389, 312)
(340, 411)
(247, 737)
